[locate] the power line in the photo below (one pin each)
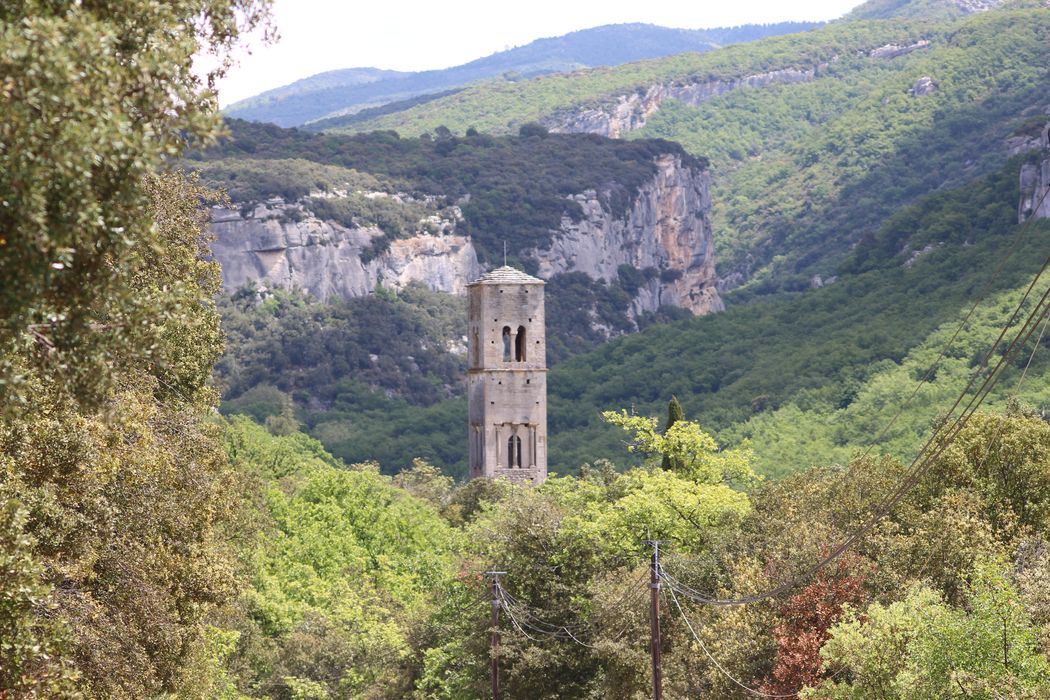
(932, 449)
(1031, 357)
(1015, 243)
(629, 591)
(523, 618)
(671, 587)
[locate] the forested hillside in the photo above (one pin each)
(894, 201)
(518, 187)
(802, 169)
(343, 96)
(506, 196)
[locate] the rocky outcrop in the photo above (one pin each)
(922, 87)
(667, 231)
(895, 50)
(665, 234)
(1035, 182)
(270, 246)
(630, 112)
(625, 113)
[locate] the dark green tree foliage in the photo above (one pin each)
(114, 490)
(29, 640)
(129, 506)
(674, 414)
(96, 94)
(393, 344)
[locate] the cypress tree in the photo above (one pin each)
(674, 414)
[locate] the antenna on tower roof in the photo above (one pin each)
(504, 253)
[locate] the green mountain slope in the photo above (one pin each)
(786, 368)
(900, 200)
(804, 169)
(501, 108)
(335, 93)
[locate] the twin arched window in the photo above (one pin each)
(519, 345)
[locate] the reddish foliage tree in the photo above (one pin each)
(807, 617)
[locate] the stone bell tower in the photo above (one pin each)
(507, 377)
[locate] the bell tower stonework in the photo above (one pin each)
(507, 377)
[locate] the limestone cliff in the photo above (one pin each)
(667, 230)
(268, 245)
(665, 233)
(1035, 183)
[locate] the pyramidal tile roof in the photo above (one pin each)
(507, 275)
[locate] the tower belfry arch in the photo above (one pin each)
(507, 377)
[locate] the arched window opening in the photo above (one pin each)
(519, 345)
(506, 343)
(514, 452)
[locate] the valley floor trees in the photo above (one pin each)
(953, 582)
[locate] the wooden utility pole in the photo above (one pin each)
(494, 652)
(654, 619)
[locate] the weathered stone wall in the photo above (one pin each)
(507, 377)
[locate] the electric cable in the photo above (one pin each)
(932, 449)
(1015, 243)
(618, 606)
(1031, 357)
(523, 618)
(895, 498)
(722, 669)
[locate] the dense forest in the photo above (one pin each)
(152, 547)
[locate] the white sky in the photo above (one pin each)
(320, 35)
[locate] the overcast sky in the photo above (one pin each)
(320, 35)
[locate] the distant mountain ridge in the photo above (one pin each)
(344, 92)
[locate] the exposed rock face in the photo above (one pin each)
(630, 112)
(1035, 183)
(923, 86)
(970, 6)
(666, 232)
(325, 259)
(895, 50)
(667, 229)
(625, 113)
